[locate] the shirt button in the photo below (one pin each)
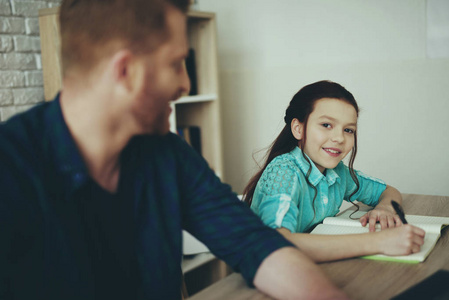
(325, 200)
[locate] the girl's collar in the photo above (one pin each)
(315, 175)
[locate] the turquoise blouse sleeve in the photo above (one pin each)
(369, 191)
(276, 196)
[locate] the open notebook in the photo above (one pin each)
(343, 224)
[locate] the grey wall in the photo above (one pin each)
(376, 49)
(21, 84)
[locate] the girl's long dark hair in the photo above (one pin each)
(300, 107)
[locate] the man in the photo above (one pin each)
(95, 191)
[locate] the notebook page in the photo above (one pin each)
(415, 219)
(335, 229)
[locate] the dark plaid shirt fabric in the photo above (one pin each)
(63, 237)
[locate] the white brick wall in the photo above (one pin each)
(21, 82)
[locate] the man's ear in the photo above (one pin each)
(297, 129)
(126, 71)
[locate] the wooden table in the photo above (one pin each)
(362, 278)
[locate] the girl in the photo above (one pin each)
(304, 181)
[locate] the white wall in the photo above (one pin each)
(377, 49)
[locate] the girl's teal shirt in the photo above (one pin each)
(283, 198)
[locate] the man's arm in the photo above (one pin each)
(288, 274)
(214, 215)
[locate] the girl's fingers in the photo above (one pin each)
(418, 242)
(364, 219)
(390, 221)
(418, 239)
(419, 231)
(397, 220)
(383, 222)
(372, 223)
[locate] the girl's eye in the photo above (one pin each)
(326, 125)
(348, 130)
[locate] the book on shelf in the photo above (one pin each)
(191, 72)
(192, 135)
(344, 224)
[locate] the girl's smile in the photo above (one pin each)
(333, 151)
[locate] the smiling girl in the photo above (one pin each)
(304, 181)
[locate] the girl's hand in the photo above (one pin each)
(386, 218)
(402, 240)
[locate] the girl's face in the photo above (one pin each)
(330, 132)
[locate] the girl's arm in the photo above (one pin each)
(402, 240)
(384, 212)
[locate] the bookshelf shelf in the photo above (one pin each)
(191, 263)
(196, 98)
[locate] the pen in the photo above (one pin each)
(398, 209)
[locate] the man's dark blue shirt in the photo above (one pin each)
(64, 237)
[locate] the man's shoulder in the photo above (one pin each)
(27, 122)
(22, 136)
